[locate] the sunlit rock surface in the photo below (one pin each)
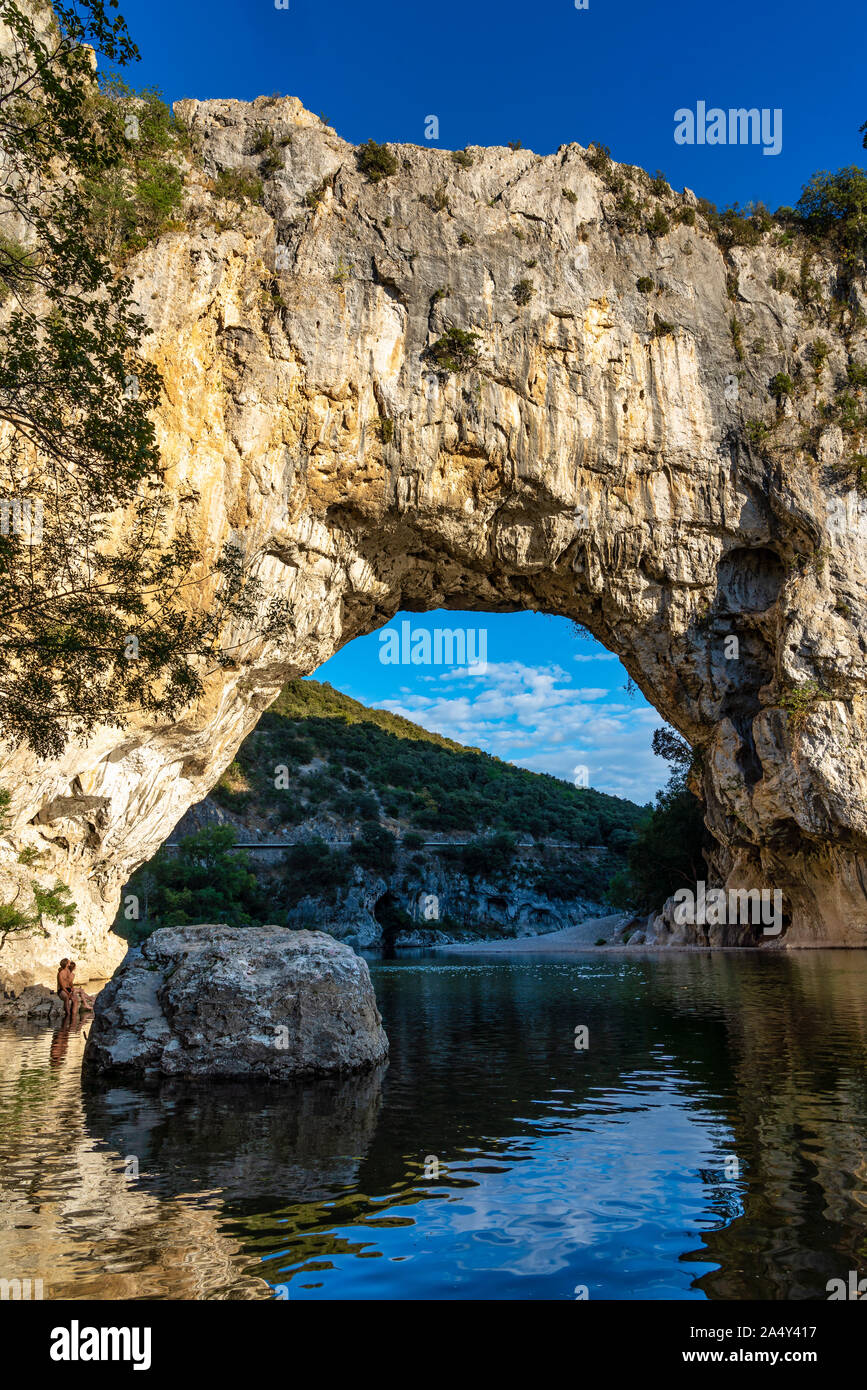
(252, 1002)
(595, 463)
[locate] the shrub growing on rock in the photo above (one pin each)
(834, 206)
(659, 224)
(781, 386)
(455, 351)
(238, 186)
(375, 161)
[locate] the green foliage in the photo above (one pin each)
(856, 374)
(737, 337)
(523, 292)
(204, 881)
(598, 158)
(644, 284)
(685, 216)
(55, 903)
(569, 195)
(667, 851)
(818, 353)
(490, 857)
(315, 870)
(313, 197)
(800, 701)
(628, 212)
(781, 386)
(757, 431)
(84, 180)
(456, 351)
(735, 227)
(565, 877)
(140, 196)
(849, 410)
(463, 158)
(263, 140)
(374, 848)
(833, 206)
(18, 265)
(856, 467)
(438, 201)
(14, 922)
(376, 757)
(238, 186)
(375, 161)
(368, 761)
(272, 163)
(659, 224)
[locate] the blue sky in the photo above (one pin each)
(493, 71)
(543, 73)
(546, 698)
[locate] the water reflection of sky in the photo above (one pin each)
(605, 1168)
(608, 1194)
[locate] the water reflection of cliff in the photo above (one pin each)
(797, 1042)
(775, 1048)
(123, 1194)
(203, 1191)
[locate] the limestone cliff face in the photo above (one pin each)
(595, 463)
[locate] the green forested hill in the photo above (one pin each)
(358, 792)
(369, 764)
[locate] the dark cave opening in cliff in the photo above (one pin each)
(392, 919)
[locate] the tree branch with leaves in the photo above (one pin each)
(105, 610)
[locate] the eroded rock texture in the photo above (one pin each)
(237, 1002)
(596, 463)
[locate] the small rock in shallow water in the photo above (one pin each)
(36, 1003)
(237, 1001)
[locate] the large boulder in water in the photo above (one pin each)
(221, 1001)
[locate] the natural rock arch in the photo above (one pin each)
(594, 462)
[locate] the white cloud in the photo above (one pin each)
(532, 716)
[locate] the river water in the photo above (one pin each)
(709, 1142)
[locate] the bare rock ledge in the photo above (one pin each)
(216, 1001)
